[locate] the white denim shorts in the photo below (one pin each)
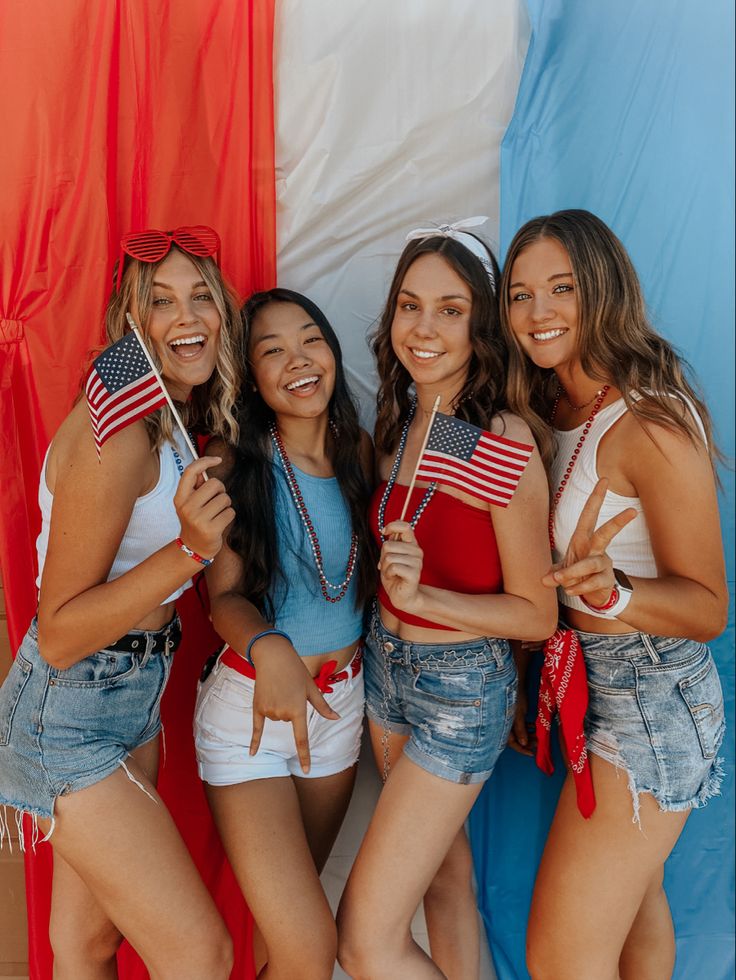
(223, 726)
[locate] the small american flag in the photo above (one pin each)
(121, 387)
(480, 463)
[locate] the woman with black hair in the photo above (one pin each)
(288, 592)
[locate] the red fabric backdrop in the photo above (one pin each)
(117, 116)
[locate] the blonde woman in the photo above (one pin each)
(121, 537)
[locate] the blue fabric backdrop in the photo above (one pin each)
(627, 109)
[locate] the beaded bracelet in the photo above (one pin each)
(193, 554)
(608, 604)
(258, 636)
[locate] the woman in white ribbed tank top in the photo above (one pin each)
(80, 708)
(638, 564)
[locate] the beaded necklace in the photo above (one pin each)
(428, 493)
(178, 460)
(600, 396)
(301, 507)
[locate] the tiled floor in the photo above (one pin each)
(346, 847)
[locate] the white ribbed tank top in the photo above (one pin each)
(153, 523)
(631, 549)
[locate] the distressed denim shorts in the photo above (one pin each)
(64, 730)
(455, 702)
(656, 710)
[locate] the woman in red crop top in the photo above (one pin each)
(458, 577)
(582, 353)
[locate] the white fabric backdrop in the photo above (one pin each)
(389, 117)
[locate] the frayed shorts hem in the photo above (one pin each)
(434, 766)
(710, 786)
(28, 811)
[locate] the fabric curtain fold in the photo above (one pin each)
(119, 116)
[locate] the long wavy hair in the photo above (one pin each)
(482, 396)
(617, 343)
(251, 479)
(211, 408)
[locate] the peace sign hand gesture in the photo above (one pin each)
(586, 569)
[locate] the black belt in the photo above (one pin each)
(137, 640)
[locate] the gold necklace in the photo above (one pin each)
(576, 408)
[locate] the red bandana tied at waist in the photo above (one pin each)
(563, 687)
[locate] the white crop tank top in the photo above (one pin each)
(631, 549)
(153, 523)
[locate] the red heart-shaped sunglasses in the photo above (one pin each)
(152, 245)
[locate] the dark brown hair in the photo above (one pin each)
(482, 395)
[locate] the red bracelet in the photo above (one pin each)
(609, 604)
(193, 554)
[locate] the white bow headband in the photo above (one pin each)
(457, 231)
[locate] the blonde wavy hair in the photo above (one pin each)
(617, 344)
(211, 406)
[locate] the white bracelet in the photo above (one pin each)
(623, 592)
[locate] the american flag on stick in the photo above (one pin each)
(122, 386)
(480, 463)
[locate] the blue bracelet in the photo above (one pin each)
(258, 636)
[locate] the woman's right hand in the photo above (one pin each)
(522, 737)
(203, 508)
(282, 690)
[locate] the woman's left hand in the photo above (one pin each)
(400, 565)
(586, 569)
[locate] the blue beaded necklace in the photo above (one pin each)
(178, 460)
(428, 493)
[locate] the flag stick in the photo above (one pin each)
(419, 457)
(177, 417)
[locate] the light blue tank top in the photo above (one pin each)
(314, 625)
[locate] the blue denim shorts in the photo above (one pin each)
(63, 730)
(656, 710)
(455, 702)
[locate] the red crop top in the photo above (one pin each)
(458, 541)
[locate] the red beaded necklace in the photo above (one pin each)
(306, 520)
(600, 396)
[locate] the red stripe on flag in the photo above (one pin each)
(524, 449)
